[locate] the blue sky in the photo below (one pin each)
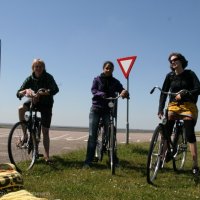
(75, 37)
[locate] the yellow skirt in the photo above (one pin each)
(185, 109)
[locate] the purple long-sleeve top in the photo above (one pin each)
(104, 87)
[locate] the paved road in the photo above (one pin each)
(64, 141)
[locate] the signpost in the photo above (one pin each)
(126, 65)
(0, 56)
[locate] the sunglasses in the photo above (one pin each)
(174, 60)
(38, 66)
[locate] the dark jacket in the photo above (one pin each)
(174, 83)
(103, 87)
(45, 81)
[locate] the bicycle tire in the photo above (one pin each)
(112, 148)
(101, 144)
(154, 154)
(180, 147)
(21, 151)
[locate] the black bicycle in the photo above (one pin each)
(165, 146)
(107, 143)
(24, 139)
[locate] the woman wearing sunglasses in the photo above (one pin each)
(182, 106)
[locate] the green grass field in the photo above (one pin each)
(68, 180)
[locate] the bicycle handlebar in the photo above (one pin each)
(168, 93)
(41, 90)
(113, 98)
(31, 94)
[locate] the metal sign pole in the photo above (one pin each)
(126, 64)
(0, 56)
(127, 117)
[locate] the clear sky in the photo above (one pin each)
(75, 37)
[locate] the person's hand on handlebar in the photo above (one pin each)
(124, 94)
(178, 97)
(33, 95)
(27, 93)
(182, 94)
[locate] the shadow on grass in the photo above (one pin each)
(139, 150)
(135, 162)
(63, 162)
(60, 162)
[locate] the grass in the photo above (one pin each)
(67, 180)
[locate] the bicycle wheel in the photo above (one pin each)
(154, 159)
(101, 144)
(21, 147)
(112, 148)
(180, 147)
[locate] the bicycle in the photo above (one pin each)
(165, 147)
(107, 143)
(24, 138)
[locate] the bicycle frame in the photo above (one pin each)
(34, 122)
(108, 142)
(24, 138)
(113, 110)
(170, 140)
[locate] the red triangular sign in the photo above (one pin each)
(126, 64)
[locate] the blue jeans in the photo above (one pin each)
(94, 118)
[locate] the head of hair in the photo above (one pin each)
(38, 62)
(108, 63)
(182, 59)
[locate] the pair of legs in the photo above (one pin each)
(45, 126)
(94, 118)
(189, 124)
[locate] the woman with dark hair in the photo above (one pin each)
(183, 106)
(103, 86)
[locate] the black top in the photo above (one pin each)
(45, 81)
(186, 80)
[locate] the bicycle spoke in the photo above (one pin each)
(101, 143)
(180, 147)
(112, 149)
(21, 147)
(154, 160)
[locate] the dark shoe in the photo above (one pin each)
(195, 171)
(116, 162)
(86, 166)
(168, 157)
(49, 162)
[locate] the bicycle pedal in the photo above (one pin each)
(95, 159)
(40, 155)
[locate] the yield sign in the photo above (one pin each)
(126, 64)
